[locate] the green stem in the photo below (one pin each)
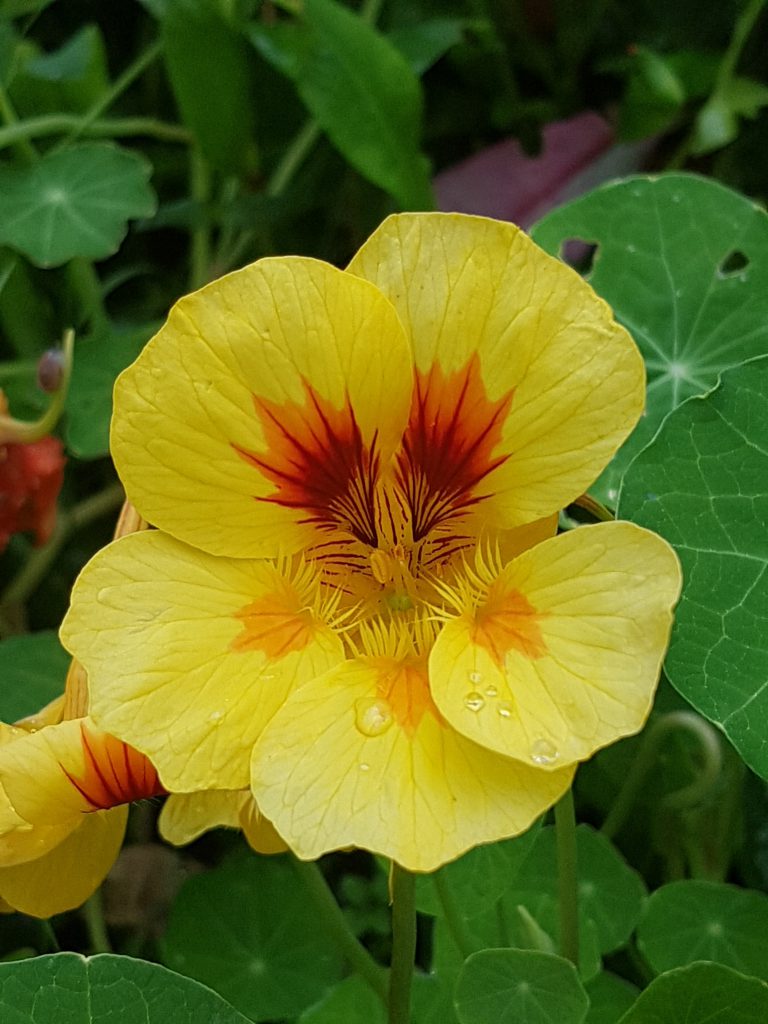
(332, 916)
(646, 760)
(453, 919)
(85, 512)
(23, 147)
(403, 944)
(55, 124)
(93, 913)
(86, 284)
(118, 87)
(200, 191)
(20, 432)
(49, 934)
(567, 877)
(293, 157)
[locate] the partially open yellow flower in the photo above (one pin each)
(354, 601)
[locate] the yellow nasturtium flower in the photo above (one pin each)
(354, 601)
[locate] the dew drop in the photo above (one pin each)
(504, 710)
(215, 716)
(491, 691)
(474, 701)
(364, 767)
(372, 717)
(542, 752)
(475, 678)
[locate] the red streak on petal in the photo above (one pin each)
(316, 457)
(275, 624)
(114, 773)
(447, 449)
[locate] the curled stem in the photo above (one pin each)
(14, 431)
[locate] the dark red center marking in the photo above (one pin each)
(447, 448)
(316, 457)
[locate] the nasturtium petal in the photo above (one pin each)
(189, 655)
(186, 816)
(68, 874)
(563, 655)
(330, 774)
(472, 290)
(267, 389)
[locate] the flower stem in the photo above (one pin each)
(403, 944)
(200, 190)
(334, 920)
(646, 760)
(93, 913)
(109, 128)
(567, 873)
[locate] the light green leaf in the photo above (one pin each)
(70, 989)
(703, 993)
(514, 986)
(71, 78)
(243, 930)
(98, 360)
(696, 920)
(717, 123)
(424, 44)
(609, 998)
(351, 1001)
(701, 484)
(75, 202)
(361, 91)
(683, 261)
(34, 668)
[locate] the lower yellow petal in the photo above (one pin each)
(186, 816)
(360, 757)
(69, 873)
(188, 655)
(562, 655)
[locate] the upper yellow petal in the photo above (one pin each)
(360, 757)
(562, 653)
(286, 370)
(562, 383)
(189, 655)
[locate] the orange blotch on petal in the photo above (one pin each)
(507, 621)
(276, 624)
(447, 449)
(402, 693)
(113, 772)
(317, 459)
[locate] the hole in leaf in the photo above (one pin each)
(733, 263)
(579, 254)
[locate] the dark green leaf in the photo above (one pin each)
(361, 91)
(71, 78)
(71, 989)
(684, 263)
(34, 668)
(696, 920)
(75, 202)
(515, 986)
(609, 998)
(424, 44)
(208, 65)
(244, 931)
(351, 1001)
(703, 993)
(701, 484)
(98, 360)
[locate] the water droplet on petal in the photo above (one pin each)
(474, 701)
(475, 678)
(491, 691)
(372, 717)
(215, 716)
(504, 710)
(542, 752)
(364, 767)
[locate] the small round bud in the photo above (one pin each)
(50, 369)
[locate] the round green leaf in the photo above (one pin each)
(478, 879)
(693, 920)
(34, 668)
(611, 894)
(351, 1001)
(683, 261)
(70, 989)
(702, 993)
(516, 986)
(702, 485)
(245, 931)
(75, 202)
(609, 998)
